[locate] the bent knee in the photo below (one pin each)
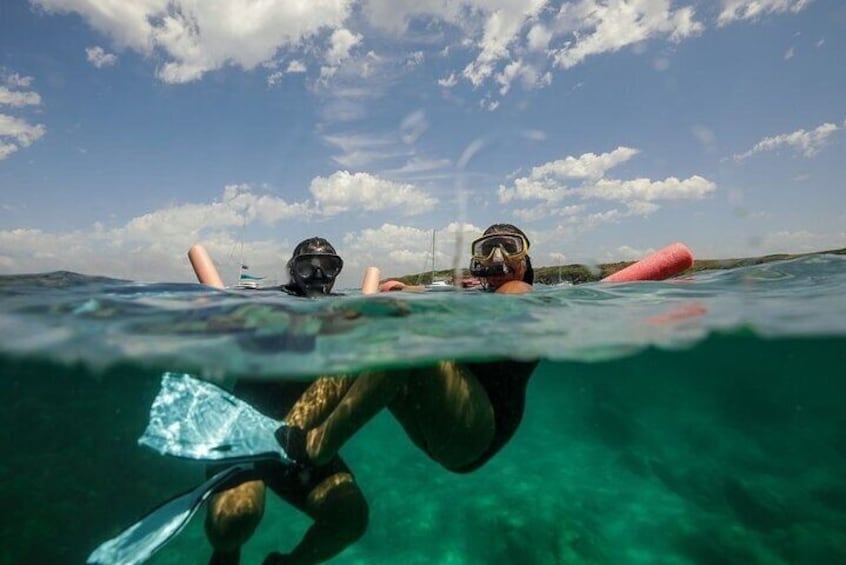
(463, 447)
(338, 501)
(456, 459)
(233, 516)
(358, 517)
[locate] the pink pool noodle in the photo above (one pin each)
(658, 266)
(203, 267)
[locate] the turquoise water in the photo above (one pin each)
(691, 421)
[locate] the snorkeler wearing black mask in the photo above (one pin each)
(329, 494)
(312, 269)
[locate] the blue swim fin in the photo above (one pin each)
(138, 542)
(195, 419)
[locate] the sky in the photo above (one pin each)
(605, 129)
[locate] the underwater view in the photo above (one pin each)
(697, 420)
(640, 406)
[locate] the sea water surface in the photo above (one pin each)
(698, 420)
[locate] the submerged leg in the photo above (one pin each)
(318, 401)
(232, 517)
(447, 413)
(365, 397)
(340, 514)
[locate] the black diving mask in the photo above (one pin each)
(317, 266)
(315, 273)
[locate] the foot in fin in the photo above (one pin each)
(293, 441)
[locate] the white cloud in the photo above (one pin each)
(449, 81)
(642, 190)
(7, 149)
(18, 99)
(400, 250)
(417, 165)
(513, 38)
(238, 205)
(501, 28)
(538, 38)
(626, 253)
(789, 54)
(504, 40)
(585, 177)
(394, 16)
(340, 43)
(488, 104)
(808, 143)
(559, 258)
(17, 81)
(530, 76)
(344, 191)
(530, 214)
(197, 37)
(296, 67)
(98, 57)
(587, 165)
(734, 10)
(274, 78)
(415, 59)
(601, 27)
(359, 150)
(152, 246)
(16, 133)
(546, 182)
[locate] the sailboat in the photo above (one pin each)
(441, 284)
(246, 281)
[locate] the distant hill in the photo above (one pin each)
(580, 273)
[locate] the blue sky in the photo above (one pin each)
(604, 128)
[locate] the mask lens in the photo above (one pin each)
(306, 266)
(510, 245)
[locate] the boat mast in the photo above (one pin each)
(433, 256)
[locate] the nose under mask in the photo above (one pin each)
(316, 285)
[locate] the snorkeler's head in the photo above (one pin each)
(313, 267)
(502, 249)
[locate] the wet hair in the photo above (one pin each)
(529, 277)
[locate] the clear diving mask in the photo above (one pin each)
(484, 261)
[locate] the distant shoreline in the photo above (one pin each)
(576, 273)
